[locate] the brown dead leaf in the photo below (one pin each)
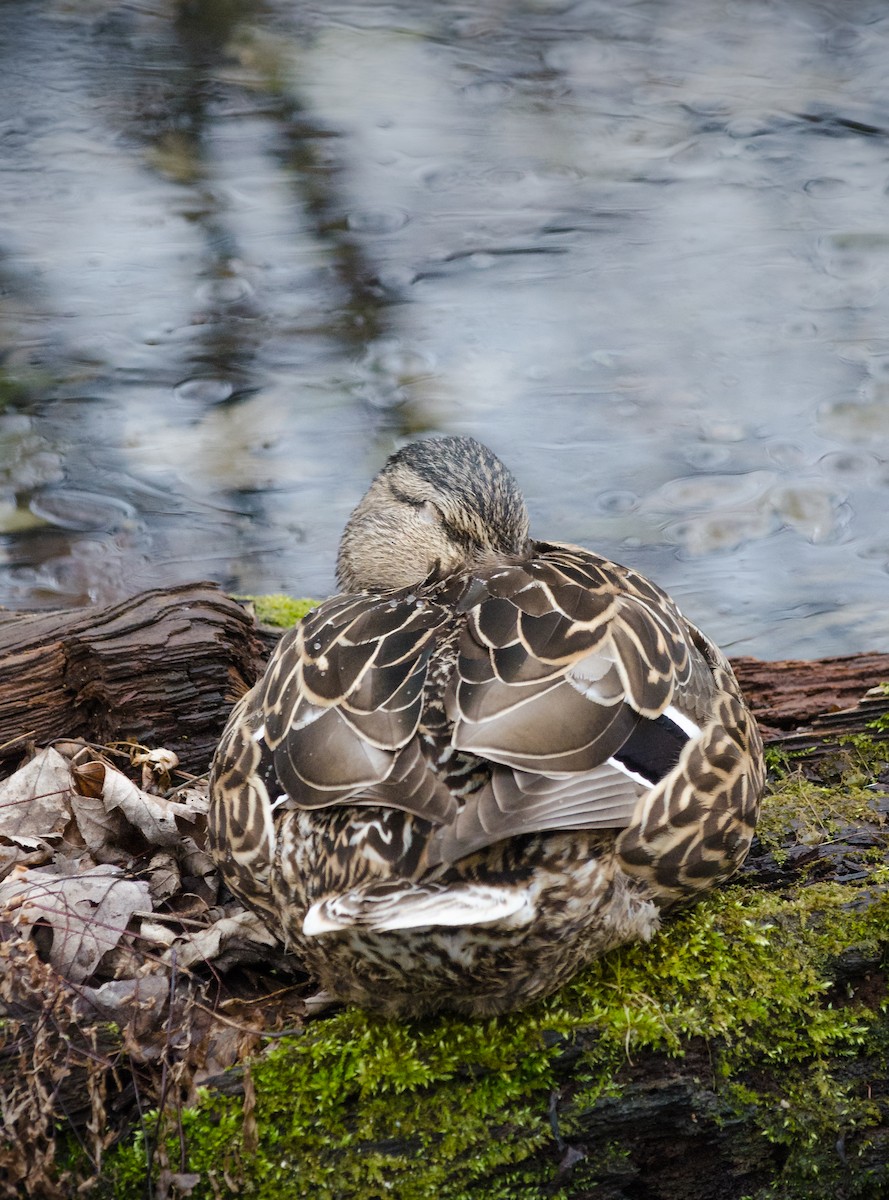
(34, 810)
(182, 1183)
(88, 913)
(188, 907)
(198, 870)
(143, 940)
(164, 878)
(239, 938)
(100, 829)
(88, 777)
(249, 1126)
(140, 1003)
(154, 816)
(156, 767)
(156, 933)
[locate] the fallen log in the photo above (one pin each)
(810, 707)
(163, 668)
(742, 1053)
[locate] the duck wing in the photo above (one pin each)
(579, 698)
(342, 700)
(583, 684)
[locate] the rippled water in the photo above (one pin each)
(640, 249)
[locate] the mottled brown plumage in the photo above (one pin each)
(488, 761)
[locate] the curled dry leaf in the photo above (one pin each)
(100, 829)
(88, 776)
(114, 965)
(198, 870)
(156, 767)
(88, 913)
(83, 814)
(164, 878)
(238, 938)
(34, 810)
(140, 1002)
(179, 1183)
(156, 933)
(154, 816)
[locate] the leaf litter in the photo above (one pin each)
(129, 975)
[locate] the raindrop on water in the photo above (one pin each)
(376, 220)
(204, 390)
(224, 291)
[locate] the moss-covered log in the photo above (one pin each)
(742, 1053)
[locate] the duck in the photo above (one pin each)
(485, 762)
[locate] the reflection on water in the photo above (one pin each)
(642, 250)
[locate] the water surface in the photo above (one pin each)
(642, 250)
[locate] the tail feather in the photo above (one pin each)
(386, 907)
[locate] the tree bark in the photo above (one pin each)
(808, 706)
(162, 668)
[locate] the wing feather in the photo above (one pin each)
(565, 659)
(574, 685)
(517, 802)
(342, 700)
(386, 907)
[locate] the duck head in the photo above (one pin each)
(438, 508)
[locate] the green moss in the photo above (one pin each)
(804, 813)
(279, 610)
(881, 723)
(780, 762)
(811, 1109)
(359, 1102)
(359, 1106)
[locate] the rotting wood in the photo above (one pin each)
(808, 708)
(162, 668)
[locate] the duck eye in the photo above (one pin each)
(428, 513)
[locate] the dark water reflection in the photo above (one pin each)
(640, 249)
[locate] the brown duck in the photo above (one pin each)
(486, 762)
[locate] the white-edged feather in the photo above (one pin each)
(686, 724)
(388, 909)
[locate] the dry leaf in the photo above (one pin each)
(182, 1183)
(156, 767)
(99, 828)
(198, 870)
(88, 778)
(133, 937)
(232, 939)
(140, 1003)
(155, 932)
(88, 913)
(34, 810)
(163, 876)
(154, 816)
